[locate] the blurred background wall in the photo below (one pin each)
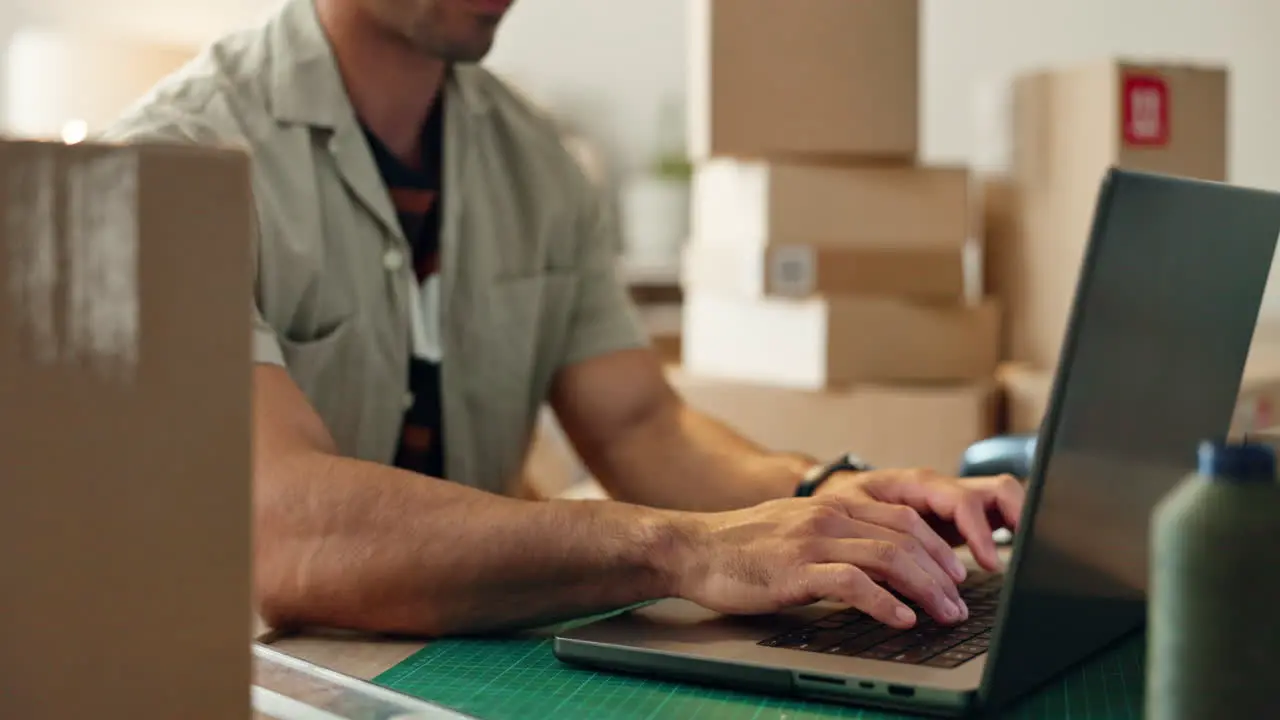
(616, 73)
(615, 69)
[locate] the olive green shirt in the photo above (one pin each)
(528, 280)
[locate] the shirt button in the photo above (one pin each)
(393, 260)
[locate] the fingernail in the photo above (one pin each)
(964, 610)
(957, 569)
(952, 610)
(905, 615)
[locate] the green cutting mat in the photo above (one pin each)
(520, 679)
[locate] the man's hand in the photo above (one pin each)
(797, 551)
(964, 510)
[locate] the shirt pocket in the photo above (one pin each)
(324, 368)
(525, 322)
(513, 347)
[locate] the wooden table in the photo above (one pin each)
(356, 655)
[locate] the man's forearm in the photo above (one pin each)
(681, 458)
(344, 543)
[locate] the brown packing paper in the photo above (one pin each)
(826, 77)
(125, 330)
(802, 270)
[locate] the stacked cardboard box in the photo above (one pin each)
(1069, 126)
(1026, 390)
(827, 271)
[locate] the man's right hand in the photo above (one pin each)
(797, 551)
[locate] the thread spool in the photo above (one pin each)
(1213, 635)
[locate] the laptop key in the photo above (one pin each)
(916, 655)
(876, 654)
(854, 646)
(971, 648)
(948, 659)
(895, 645)
(818, 641)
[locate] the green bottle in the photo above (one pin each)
(1213, 630)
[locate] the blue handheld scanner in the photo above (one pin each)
(1012, 454)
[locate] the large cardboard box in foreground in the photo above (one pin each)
(813, 77)
(890, 426)
(1070, 125)
(838, 342)
(125, 432)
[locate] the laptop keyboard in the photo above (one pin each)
(854, 634)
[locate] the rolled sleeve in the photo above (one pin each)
(605, 319)
(167, 125)
(266, 345)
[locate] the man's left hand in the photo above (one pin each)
(962, 510)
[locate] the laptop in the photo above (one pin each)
(1164, 312)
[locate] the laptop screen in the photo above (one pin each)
(1164, 313)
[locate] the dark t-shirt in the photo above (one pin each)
(416, 193)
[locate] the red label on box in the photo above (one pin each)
(1146, 110)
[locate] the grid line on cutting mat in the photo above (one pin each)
(520, 679)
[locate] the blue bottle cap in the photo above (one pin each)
(1237, 462)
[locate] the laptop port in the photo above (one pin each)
(902, 691)
(820, 679)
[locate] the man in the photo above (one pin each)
(432, 266)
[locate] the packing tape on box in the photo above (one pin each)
(32, 252)
(86, 247)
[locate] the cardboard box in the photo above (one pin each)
(837, 342)
(1026, 398)
(890, 426)
(126, 436)
(825, 77)
(757, 203)
(996, 198)
(1070, 125)
(1025, 392)
(662, 321)
(800, 270)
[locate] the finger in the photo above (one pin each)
(899, 569)
(851, 586)
(905, 519)
(971, 519)
(919, 553)
(966, 506)
(1010, 496)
